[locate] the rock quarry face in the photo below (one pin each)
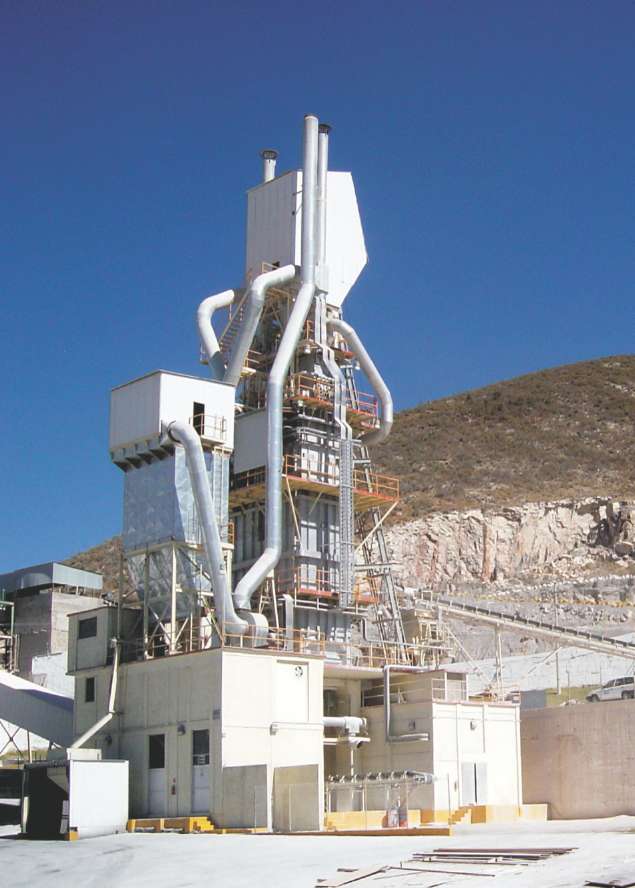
(444, 549)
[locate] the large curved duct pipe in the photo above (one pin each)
(381, 389)
(254, 303)
(185, 434)
(204, 323)
(258, 572)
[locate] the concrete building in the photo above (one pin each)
(39, 600)
(34, 606)
(235, 734)
(580, 759)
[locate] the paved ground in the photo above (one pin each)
(605, 847)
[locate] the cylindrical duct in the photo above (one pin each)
(322, 177)
(269, 157)
(278, 374)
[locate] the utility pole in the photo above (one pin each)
(555, 622)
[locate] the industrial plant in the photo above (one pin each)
(259, 668)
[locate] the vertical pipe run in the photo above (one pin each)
(322, 180)
(258, 572)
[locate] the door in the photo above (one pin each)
(473, 783)
(200, 772)
(480, 769)
(608, 691)
(468, 784)
(156, 776)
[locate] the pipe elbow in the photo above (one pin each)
(204, 315)
(374, 377)
(274, 278)
(253, 305)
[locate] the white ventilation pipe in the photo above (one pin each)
(350, 724)
(183, 433)
(374, 377)
(269, 158)
(398, 738)
(204, 323)
(258, 572)
(322, 180)
(254, 303)
(85, 737)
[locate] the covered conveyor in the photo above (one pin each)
(36, 709)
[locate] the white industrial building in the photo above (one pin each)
(263, 668)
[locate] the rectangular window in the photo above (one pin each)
(87, 628)
(156, 751)
(89, 690)
(198, 417)
(200, 747)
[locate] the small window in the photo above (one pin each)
(87, 628)
(156, 751)
(198, 417)
(89, 690)
(200, 747)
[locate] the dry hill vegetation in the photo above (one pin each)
(104, 559)
(557, 434)
(564, 433)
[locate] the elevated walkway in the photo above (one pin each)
(36, 709)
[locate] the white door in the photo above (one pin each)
(157, 789)
(200, 772)
(468, 783)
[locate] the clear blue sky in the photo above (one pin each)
(492, 147)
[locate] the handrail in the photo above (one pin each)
(364, 481)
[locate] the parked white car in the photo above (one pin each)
(617, 689)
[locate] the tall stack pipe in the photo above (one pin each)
(322, 178)
(270, 557)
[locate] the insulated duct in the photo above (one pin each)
(258, 572)
(381, 389)
(204, 323)
(320, 220)
(254, 303)
(185, 434)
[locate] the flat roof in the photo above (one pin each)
(51, 573)
(169, 373)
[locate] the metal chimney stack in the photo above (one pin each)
(269, 157)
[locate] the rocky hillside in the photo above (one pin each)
(566, 540)
(564, 434)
